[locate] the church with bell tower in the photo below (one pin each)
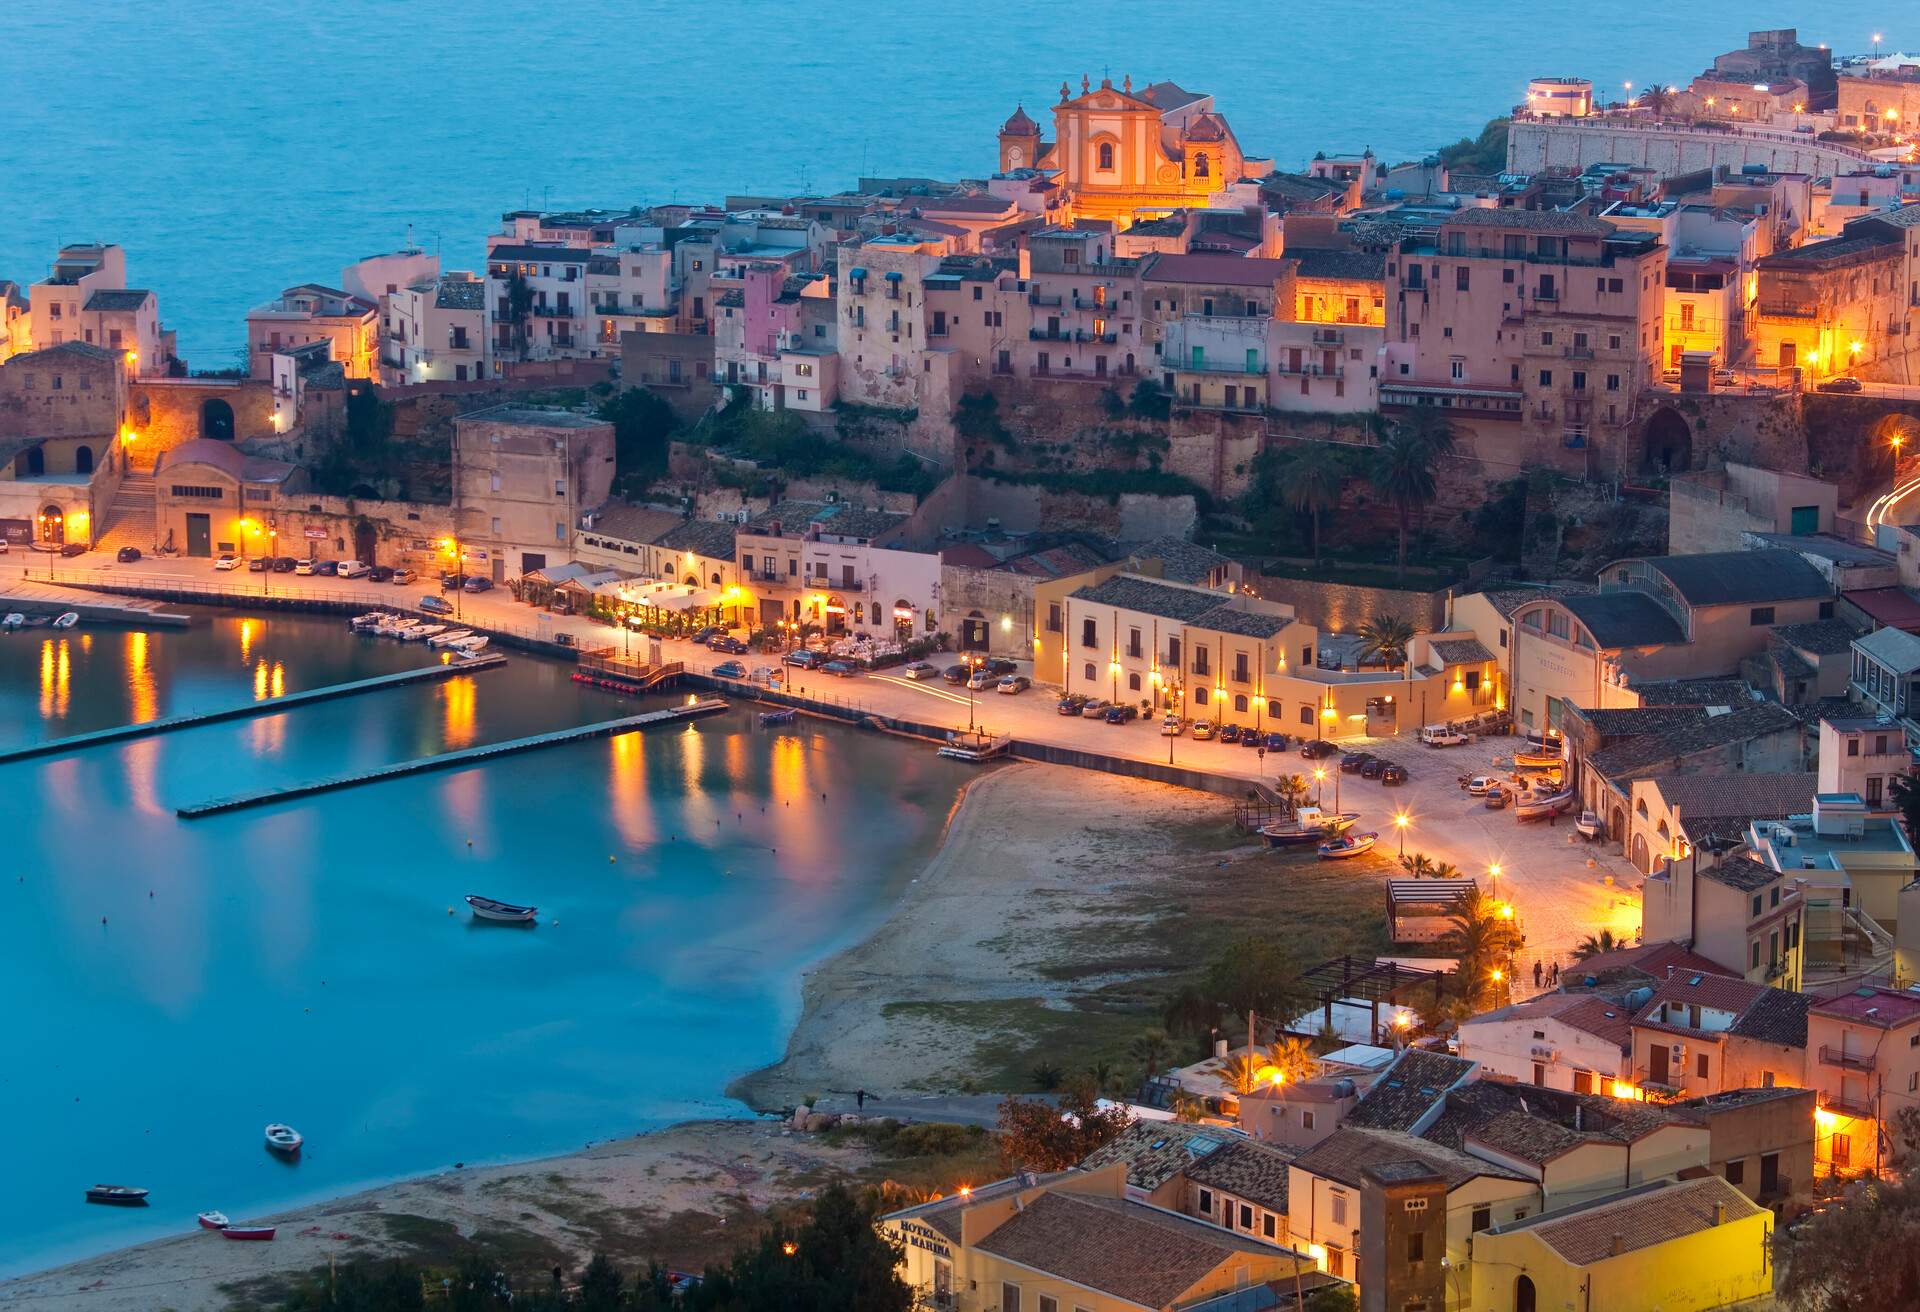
(1125, 156)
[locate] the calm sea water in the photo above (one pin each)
(172, 987)
(236, 151)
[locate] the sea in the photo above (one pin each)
(173, 986)
(236, 150)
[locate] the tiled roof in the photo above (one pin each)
(1460, 651)
(1347, 266)
(703, 537)
(81, 350)
(1646, 1217)
(1741, 872)
(1246, 623)
(1695, 692)
(118, 299)
(1653, 960)
(1181, 561)
(1343, 1155)
(1532, 220)
(1896, 649)
(1885, 1008)
(1631, 721)
(1765, 1014)
(1486, 1110)
(1130, 592)
(1756, 720)
(1736, 796)
(1125, 1249)
(1739, 578)
(460, 294)
(1165, 96)
(618, 519)
(1777, 1016)
(1156, 1151)
(1508, 601)
(1213, 270)
(1587, 1012)
(1408, 1090)
(1625, 619)
(1254, 1171)
(1528, 1138)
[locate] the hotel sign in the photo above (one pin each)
(920, 1236)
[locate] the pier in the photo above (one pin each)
(270, 706)
(453, 760)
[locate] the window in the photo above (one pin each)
(1246, 1217)
(1199, 694)
(1090, 673)
(1053, 617)
(1339, 1209)
(1306, 715)
(1206, 1202)
(1009, 1298)
(1482, 1219)
(1239, 701)
(1546, 378)
(1240, 667)
(1133, 683)
(1761, 615)
(1268, 1229)
(1700, 1065)
(1087, 638)
(1106, 154)
(1200, 664)
(1048, 1303)
(1416, 1246)
(1583, 1081)
(1306, 1119)
(1460, 278)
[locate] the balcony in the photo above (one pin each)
(1078, 375)
(1851, 1061)
(1858, 1107)
(554, 311)
(1782, 307)
(832, 585)
(1035, 298)
(1328, 337)
(1070, 335)
(1578, 352)
(1306, 369)
(1545, 294)
(1220, 367)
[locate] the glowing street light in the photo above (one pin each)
(1319, 781)
(1400, 822)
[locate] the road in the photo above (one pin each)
(1563, 890)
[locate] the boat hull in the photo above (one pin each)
(112, 1195)
(243, 1232)
(1543, 807)
(1538, 760)
(501, 913)
(212, 1220)
(1358, 845)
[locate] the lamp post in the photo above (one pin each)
(1493, 875)
(273, 535)
(452, 545)
(1319, 782)
(1400, 822)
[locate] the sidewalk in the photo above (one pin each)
(1562, 889)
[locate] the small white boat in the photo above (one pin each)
(66, 619)
(13, 620)
(472, 645)
(1538, 806)
(1348, 845)
(424, 632)
(284, 1139)
(506, 913)
(1590, 825)
(450, 638)
(213, 1220)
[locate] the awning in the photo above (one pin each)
(893, 275)
(856, 272)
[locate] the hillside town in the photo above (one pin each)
(1529, 530)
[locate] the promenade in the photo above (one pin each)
(1544, 869)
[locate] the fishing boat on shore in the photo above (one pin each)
(212, 1220)
(1538, 760)
(117, 1195)
(284, 1139)
(1538, 806)
(505, 913)
(1309, 826)
(247, 1232)
(1348, 845)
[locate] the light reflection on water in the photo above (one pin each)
(181, 984)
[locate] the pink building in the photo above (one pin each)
(1863, 1051)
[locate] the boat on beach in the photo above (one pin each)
(506, 913)
(1310, 825)
(1348, 845)
(1538, 760)
(247, 1232)
(284, 1139)
(1538, 806)
(117, 1195)
(212, 1220)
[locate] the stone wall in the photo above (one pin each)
(86, 402)
(399, 533)
(1130, 517)
(1670, 150)
(169, 411)
(1344, 607)
(1002, 597)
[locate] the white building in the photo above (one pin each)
(315, 313)
(85, 298)
(435, 330)
(1580, 1042)
(839, 569)
(553, 323)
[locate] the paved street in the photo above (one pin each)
(1558, 884)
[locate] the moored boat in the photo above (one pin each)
(247, 1232)
(503, 912)
(777, 717)
(1309, 825)
(117, 1195)
(424, 632)
(1348, 845)
(471, 645)
(284, 1139)
(212, 1220)
(67, 619)
(13, 620)
(1537, 760)
(1590, 825)
(450, 638)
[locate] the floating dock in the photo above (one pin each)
(271, 706)
(453, 760)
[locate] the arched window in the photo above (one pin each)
(1133, 683)
(1090, 674)
(1239, 701)
(716, 578)
(83, 460)
(1200, 169)
(1306, 715)
(1523, 1295)
(1200, 696)
(693, 580)
(1106, 154)
(36, 462)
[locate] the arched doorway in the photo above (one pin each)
(83, 460)
(1524, 1299)
(1667, 447)
(1618, 828)
(364, 541)
(36, 462)
(53, 525)
(836, 615)
(973, 632)
(903, 619)
(216, 420)
(1639, 855)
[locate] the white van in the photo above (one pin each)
(1442, 735)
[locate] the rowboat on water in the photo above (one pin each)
(450, 638)
(284, 1139)
(13, 620)
(117, 1195)
(1348, 845)
(67, 619)
(485, 908)
(777, 717)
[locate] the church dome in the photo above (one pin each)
(1206, 128)
(1020, 125)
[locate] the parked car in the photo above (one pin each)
(1252, 738)
(476, 583)
(1353, 762)
(259, 564)
(1317, 749)
(1477, 785)
(1202, 730)
(353, 569)
(802, 659)
(1172, 726)
(1015, 683)
(1394, 774)
(841, 669)
(127, 555)
(708, 634)
(921, 671)
(450, 582)
(1497, 795)
(957, 674)
(433, 605)
(1442, 735)
(1229, 733)
(730, 670)
(1373, 769)
(999, 667)
(227, 561)
(1122, 713)
(1278, 742)
(1095, 709)
(1723, 378)
(405, 576)
(1072, 704)
(326, 568)
(304, 565)
(765, 674)
(380, 574)
(1841, 385)
(72, 549)
(982, 678)
(729, 644)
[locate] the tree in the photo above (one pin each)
(1149, 401)
(1186, 1107)
(1255, 973)
(1313, 479)
(1594, 945)
(1293, 1059)
(1384, 638)
(601, 1286)
(1432, 427)
(1860, 1255)
(1905, 791)
(1482, 937)
(1656, 99)
(1293, 789)
(977, 418)
(361, 1287)
(1332, 1298)
(1039, 1136)
(1417, 865)
(1150, 1048)
(1189, 1011)
(1402, 473)
(643, 425)
(839, 1261)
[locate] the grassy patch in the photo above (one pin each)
(1010, 1035)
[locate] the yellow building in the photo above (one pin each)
(1675, 1246)
(1073, 1240)
(1125, 156)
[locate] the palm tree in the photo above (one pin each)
(1384, 638)
(1657, 99)
(1150, 1049)
(1482, 937)
(1101, 1075)
(1293, 1059)
(1403, 475)
(1189, 1011)
(1313, 478)
(1293, 789)
(1417, 865)
(1186, 1107)
(1432, 427)
(1594, 945)
(1242, 1070)
(1445, 870)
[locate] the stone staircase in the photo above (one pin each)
(131, 520)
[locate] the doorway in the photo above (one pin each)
(83, 460)
(53, 525)
(216, 420)
(199, 534)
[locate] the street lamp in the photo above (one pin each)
(1493, 873)
(452, 546)
(1319, 782)
(1400, 822)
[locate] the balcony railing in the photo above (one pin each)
(1846, 1106)
(1035, 298)
(1545, 293)
(1220, 367)
(1070, 335)
(555, 311)
(1328, 337)
(831, 585)
(1788, 308)
(1579, 353)
(1852, 1061)
(1309, 369)
(1078, 375)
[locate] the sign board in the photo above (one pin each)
(16, 532)
(317, 534)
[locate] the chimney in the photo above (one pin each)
(1719, 1213)
(1220, 1048)
(1617, 1245)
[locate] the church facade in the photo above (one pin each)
(1125, 156)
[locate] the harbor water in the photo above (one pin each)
(174, 985)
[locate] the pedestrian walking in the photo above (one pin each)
(860, 1099)
(1536, 974)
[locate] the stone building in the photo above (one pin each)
(1842, 306)
(522, 477)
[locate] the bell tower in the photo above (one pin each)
(1019, 142)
